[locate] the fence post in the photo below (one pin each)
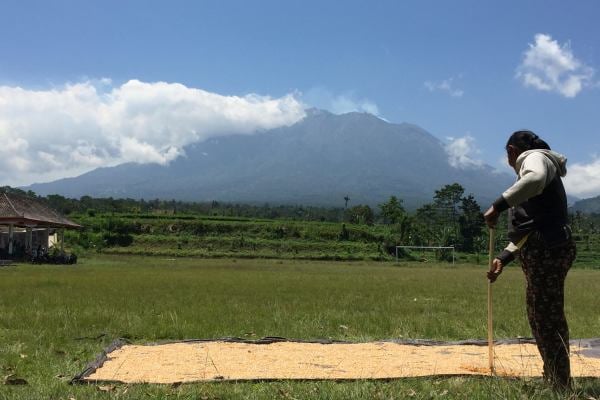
(11, 238)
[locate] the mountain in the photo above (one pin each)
(318, 161)
(588, 206)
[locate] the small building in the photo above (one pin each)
(27, 225)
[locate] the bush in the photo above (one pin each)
(118, 239)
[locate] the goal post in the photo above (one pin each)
(425, 248)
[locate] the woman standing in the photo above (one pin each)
(538, 232)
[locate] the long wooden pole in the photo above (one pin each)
(489, 304)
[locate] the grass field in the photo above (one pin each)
(53, 320)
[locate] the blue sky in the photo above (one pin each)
(469, 72)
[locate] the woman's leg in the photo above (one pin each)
(545, 271)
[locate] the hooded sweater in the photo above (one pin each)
(537, 201)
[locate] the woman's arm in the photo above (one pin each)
(534, 174)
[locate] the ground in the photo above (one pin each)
(55, 319)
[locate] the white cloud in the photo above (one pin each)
(583, 180)
(446, 86)
(462, 152)
(550, 67)
(340, 103)
(47, 134)
(502, 166)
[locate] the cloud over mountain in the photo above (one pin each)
(339, 103)
(67, 130)
(462, 152)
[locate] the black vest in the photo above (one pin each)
(545, 213)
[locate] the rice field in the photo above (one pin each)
(55, 319)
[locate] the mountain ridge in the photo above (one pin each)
(587, 206)
(317, 161)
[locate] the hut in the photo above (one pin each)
(28, 226)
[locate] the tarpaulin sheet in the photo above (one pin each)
(279, 358)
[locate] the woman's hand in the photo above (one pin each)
(491, 217)
(495, 270)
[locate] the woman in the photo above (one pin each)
(538, 231)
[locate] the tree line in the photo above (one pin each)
(450, 219)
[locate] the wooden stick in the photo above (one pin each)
(489, 304)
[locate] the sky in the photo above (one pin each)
(86, 84)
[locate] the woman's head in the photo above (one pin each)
(526, 140)
(521, 141)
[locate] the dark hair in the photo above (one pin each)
(526, 140)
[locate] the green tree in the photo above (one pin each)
(447, 200)
(452, 219)
(360, 214)
(403, 229)
(470, 222)
(427, 222)
(62, 204)
(392, 210)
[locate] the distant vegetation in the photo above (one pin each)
(355, 232)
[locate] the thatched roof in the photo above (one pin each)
(26, 211)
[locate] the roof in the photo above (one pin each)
(26, 211)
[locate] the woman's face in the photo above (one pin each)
(512, 153)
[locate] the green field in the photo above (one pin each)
(202, 236)
(219, 237)
(55, 319)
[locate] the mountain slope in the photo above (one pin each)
(318, 160)
(588, 206)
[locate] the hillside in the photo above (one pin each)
(587, 206)
(317, 161)
(215, 237)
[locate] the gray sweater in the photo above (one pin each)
(538, 191)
